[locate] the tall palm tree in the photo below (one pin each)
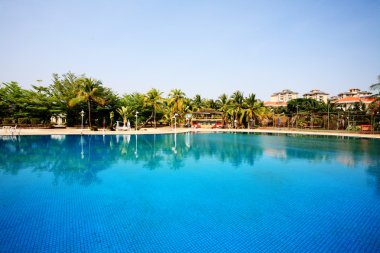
(89, 91)
(176, 100)
(223, 106)
(253, 109)
(166, 110)
(153, 98)
(237, 100)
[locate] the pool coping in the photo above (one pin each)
(167, 130)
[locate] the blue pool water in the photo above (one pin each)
(189, 193)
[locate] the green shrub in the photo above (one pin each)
(317, 122)
(35, 121)
(22, 121)
(353, 128)
(302, 123)
(7, 121)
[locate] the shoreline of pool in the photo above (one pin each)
(167, 130)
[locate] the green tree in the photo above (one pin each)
(153, 98)
(223, 105)
(89, 91)
(63, 89)
(13, 100)
(41, 104)
(306, 105)
(136, 101)
(196, 102)
(176, 101)
(237, 100)
(209, 104)
(124, 112)
(167, 111)
(112, 115)
(253, 109)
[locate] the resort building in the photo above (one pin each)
(206, 118)
(347, 100)
(280, 99)
(283, 96)
(353, 92)
(317, 95)
(59, 119)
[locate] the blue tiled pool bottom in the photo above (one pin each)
(189, 193)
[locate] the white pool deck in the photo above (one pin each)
(168, 130)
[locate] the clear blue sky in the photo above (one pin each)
(200, 46)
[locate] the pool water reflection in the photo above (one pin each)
(189, 192)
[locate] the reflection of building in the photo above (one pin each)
(281, 98)
(206, 118)
(317, 95)
(346, 100)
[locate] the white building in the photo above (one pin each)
(317, 95)
(283, 96)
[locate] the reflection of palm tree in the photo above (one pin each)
(174, 148)
(82, 151)
(153, 161)
(89, 91)
(136, 154)
(63, 163)
(125, 144)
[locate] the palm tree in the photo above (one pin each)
(166, 110)
(223, 106)
(124, 112)
(89, 90)
(112, 115)
(153, 98)
(176, 100)
(237, 100)
(254, 109)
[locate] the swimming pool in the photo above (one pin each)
(189, 193)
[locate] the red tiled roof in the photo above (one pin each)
(368, 100)
(348, 100)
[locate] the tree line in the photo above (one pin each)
(70, 94)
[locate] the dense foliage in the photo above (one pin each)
(68, 95)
